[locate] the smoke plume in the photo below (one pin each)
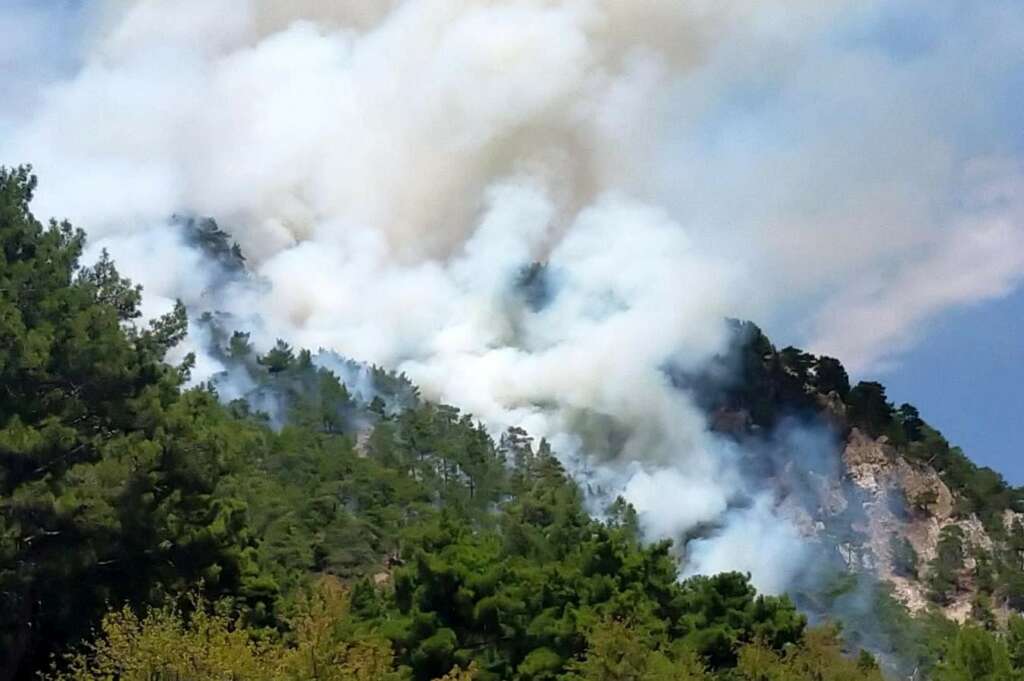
(392, 169)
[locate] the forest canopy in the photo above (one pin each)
(149, 530)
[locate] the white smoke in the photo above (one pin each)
(390, 167)
(747, 543)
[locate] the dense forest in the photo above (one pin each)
(304, 530)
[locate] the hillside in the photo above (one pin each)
(901, 503)
(305, 516)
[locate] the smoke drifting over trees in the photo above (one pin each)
(390, 170)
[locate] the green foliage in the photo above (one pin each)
(353, 531)
(982, 612)
(977, 655)
(280, 358)
(868, 408)
(944, 570)
(1009, 567)
(206, 235)
(904, 557)
(1015, 640)
(618, 652)
(1011, 587)
(723, 610)
(830, 376)
(820, 658)
(977, 489)
(914, 643)
(984, 571)
(108, 472)
(766, 385)
(910, 422)
(207, 644)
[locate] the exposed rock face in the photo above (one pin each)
(902, 501)
(868, 462)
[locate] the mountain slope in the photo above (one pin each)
(915, 511)
(325, 521)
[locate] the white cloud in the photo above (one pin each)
(979, 256)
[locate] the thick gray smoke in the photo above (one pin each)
(390, 169)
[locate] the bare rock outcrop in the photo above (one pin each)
(903, 500)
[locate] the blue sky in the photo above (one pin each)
(967, 376)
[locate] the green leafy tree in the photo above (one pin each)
(976, 655)
(239, 346)
(910, 421)
(106, 475)
(904, 558)
(982, 611)
(1015, 640)
(617, 652)
(818, 658)
(868, 407)
(830, 376)
(207, 644)
(945, 569)
(279, 359)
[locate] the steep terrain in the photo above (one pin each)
(304, 516)
(902, 504)
(883, 495)
(909, 505)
